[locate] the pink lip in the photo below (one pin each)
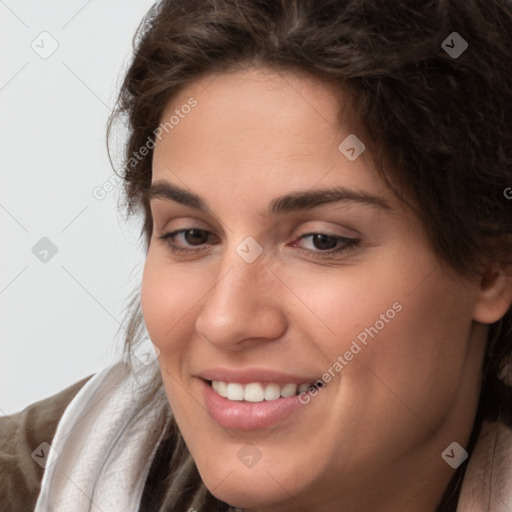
(248, 375)
(247, 415)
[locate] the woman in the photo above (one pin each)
(328, 280)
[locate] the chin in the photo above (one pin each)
(245, 488)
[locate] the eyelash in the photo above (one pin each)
(349, 244)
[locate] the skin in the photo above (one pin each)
(372, 439)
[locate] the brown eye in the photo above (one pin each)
(326, 245)
(192, 237)
(195, 236)
(324, 242)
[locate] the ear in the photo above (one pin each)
(494, 297)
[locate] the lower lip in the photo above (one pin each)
(242, 415)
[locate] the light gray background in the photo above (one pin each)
(59, 318)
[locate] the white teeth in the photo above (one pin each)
(272, 392)
(255, 391)
(222, 388)
(303, 388)
(289, 390)
(235, 391)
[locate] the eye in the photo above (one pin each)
(192, 240)
(192, 236)
(328, 245)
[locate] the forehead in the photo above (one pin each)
(280, 111)
(259, 129)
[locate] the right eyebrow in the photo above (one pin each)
(165, 190)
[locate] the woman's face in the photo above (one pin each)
(278, 285)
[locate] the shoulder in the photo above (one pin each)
(20, 435)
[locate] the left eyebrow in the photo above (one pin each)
(294, 201)
(304, 200)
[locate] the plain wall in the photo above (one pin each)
(59, 317)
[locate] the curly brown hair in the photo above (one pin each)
(439, 128)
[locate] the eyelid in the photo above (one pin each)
(170, 234)
(340, 231)
(165, 219)
(349, 243)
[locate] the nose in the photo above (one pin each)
(243, 306)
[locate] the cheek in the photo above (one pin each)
(401, 331)
(168, 298)
(408, 373)
(422, 352)
(332, 306)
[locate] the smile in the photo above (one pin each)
(256, 391)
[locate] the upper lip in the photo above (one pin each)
(247, 375)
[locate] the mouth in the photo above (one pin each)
(254, 405)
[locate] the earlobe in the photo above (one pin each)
(494, 298)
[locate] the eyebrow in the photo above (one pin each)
(294, 201)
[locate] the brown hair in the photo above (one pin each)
(439, 127)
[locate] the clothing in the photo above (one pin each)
(104, 444)
(20, 435)
(107, 439)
